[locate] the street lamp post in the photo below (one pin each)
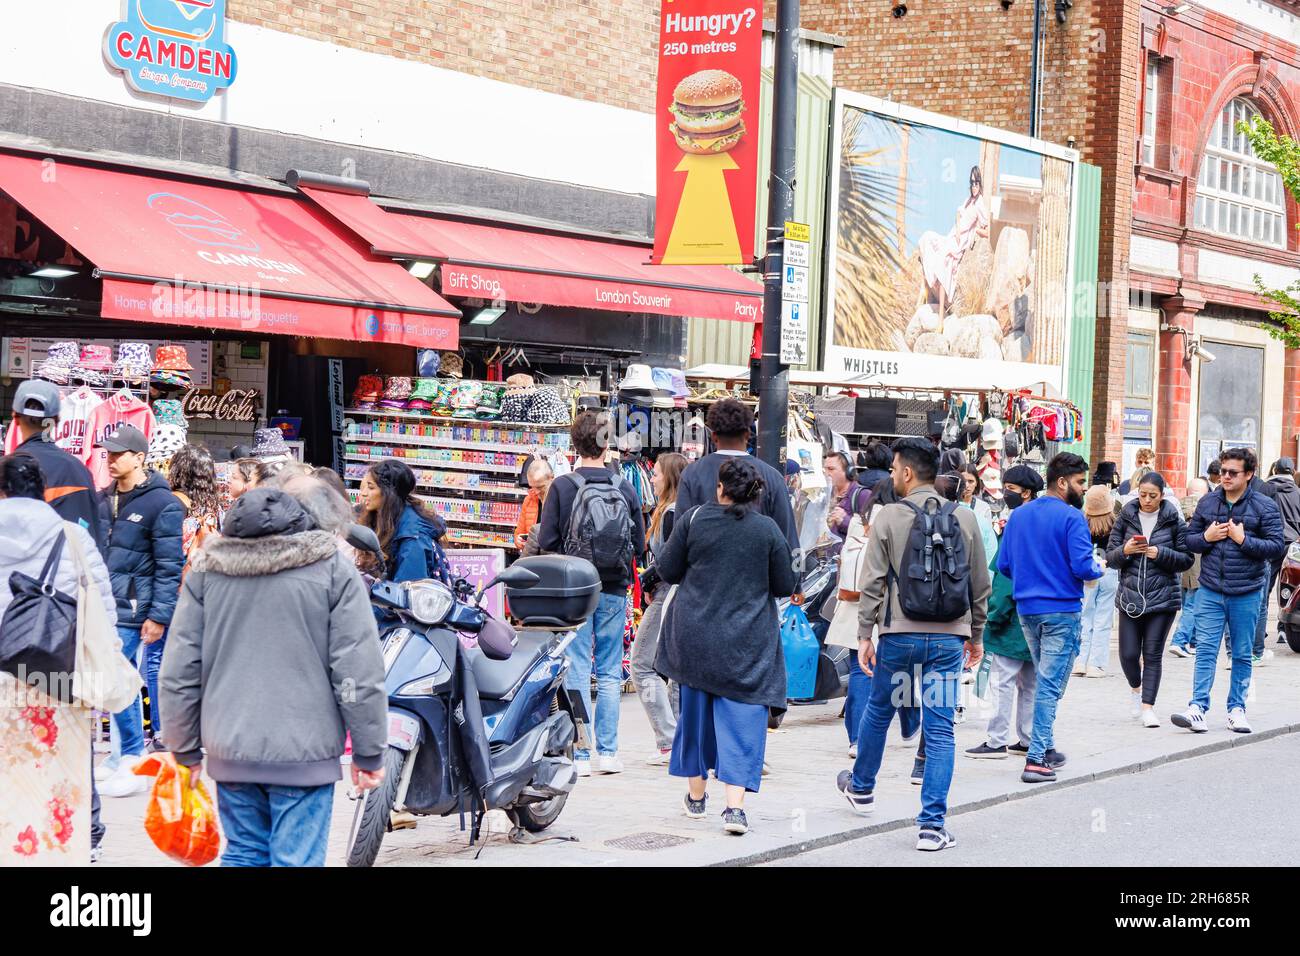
(773, 376)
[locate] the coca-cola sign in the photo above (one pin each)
(236, 405)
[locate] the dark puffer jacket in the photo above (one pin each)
(1228, 567)
(144, 550)
(1147, 586)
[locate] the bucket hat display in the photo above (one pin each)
(167, 411)
(640, 378)
(166, 441)
(466, 399)
(421, 405)
(369, 389)
(991, 434)
(134, 361)
(520, 392)
(60, 363)
(451, 365)
(547, 408)
(520, 384)
(171, 379)
(398, 388)
(96, 358)
(426, 389)
(172, 358)
(268, 444)
(444, 404)
(489, 400)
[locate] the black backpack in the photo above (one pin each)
(934, 576)
(600, 526)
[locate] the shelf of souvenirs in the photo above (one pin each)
(455, 481)
(500, 464)
(486, 438)
(485, 539)
(502, 514)
(457, 419)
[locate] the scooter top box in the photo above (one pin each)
(565, 595)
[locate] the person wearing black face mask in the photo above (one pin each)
(1020, 484)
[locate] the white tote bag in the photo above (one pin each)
(843, 631)
(102, 679)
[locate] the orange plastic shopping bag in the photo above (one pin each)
(180, 819)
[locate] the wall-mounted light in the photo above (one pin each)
(420, 268)
(52, 272)
(1061, 7)
(487, 315)
(1175, 10)
(900, 10)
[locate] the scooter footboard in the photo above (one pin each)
(526, 761)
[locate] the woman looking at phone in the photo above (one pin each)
(1148, 546)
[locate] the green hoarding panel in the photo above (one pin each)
(1083, 317)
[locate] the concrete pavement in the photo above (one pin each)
(635, 818)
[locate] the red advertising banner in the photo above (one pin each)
(710, 59)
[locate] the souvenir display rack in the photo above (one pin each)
(466, 468)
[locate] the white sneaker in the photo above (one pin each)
(1268, 654)
(583, 767)
(659, 758)
(1136, 709)
(1237, 721)
(1193, 719)
(1094, 672)
(124, 783)
(1149, 718)
(853, 751)
(105, 770)
(1079, 669)
(607, 764)
(1179, 651)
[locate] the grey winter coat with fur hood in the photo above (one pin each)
(273, 655)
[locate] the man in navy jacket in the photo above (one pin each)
(144, 520)
(1238, 533)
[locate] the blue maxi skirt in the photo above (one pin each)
(714, 733)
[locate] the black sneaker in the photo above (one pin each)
(695, 808)
(918, 771)
(929, 839)
(1054, 759)
(861, 801)
(987, 751)
(1018, 749)
(1037, 773)
(733, 821)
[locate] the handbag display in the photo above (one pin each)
(103, 679)
(38, 634)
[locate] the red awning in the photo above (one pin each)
(496, 262)
(185, 253)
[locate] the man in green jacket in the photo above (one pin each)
(1011, 669)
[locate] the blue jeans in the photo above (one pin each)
(1261, 625)
(152, 664)
(128, 725)
(270, 825)
(1239, 612)
(1053, 641)
(938, 658)
(1097, 620)
(855, 705)
(1185, 633)
(603, 635)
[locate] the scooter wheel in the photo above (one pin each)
(368, 831)
(1292, 634)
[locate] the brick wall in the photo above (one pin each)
(598, 50)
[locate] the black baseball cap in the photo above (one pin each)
(125, 438)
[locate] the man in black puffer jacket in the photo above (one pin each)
(1237, 532)
(1148, 546)
(144, 519)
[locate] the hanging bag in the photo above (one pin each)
(38, 633)
(843, 631)
(103, 678)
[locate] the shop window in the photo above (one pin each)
(1238, 194)
(1138, 369)
(1231, 400)
(1156, 96)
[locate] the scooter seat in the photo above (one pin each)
(495, 679)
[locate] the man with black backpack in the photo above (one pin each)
(594, 514)
(925, 589)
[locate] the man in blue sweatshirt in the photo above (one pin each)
(1047, 553)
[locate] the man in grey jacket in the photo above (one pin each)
(272, 657)
(931, 651)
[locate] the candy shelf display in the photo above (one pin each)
(466, 471)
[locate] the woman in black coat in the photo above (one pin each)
(1148, 546)
(721, 638)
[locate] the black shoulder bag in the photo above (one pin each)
(38, 633)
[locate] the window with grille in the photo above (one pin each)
(1150, 110)
(1239, 195)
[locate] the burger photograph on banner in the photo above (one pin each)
(951, 253)
(707, 131)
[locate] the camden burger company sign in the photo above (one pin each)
(173, 48)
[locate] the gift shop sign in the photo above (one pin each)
(236, 405)
(173, 48)
(706, 123)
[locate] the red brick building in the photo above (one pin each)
(1144, 90)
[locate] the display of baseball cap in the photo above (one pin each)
(37, 399)
(125, 438)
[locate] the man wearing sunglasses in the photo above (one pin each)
(1238, 533)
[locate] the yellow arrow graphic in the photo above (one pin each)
(704, 230)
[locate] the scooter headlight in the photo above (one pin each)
(1293, 552)
(430, 601)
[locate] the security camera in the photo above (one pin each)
(900, 10)
(1204, 354)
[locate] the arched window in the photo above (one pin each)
(1239, 195)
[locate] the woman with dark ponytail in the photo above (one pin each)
(408, 532)
(721, 638)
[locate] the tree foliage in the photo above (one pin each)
(1284, 153)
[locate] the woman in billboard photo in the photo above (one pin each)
(941, 255)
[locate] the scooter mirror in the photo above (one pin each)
(363, 539)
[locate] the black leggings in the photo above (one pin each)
(1143, 639)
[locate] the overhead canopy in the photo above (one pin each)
(496, 262)
(194, 254)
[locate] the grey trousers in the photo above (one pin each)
(658, 699)
(1007, 678)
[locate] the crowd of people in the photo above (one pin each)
(939, 579)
